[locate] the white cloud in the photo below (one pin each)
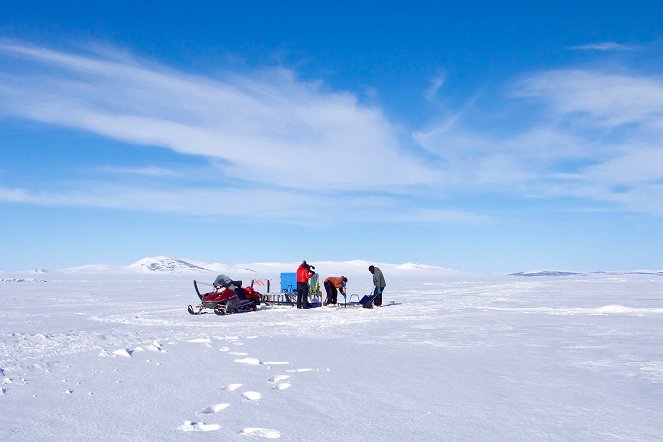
(606, 46)
(288, 132)
(609, 99)
(435, 84)
(592, 135)
(275, 206)
(589, 134)
(150, 171)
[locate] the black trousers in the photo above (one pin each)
(332, 292)
(377, 300)
(302, 295)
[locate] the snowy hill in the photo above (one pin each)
(168, 265)
(357, 267)
(165, 264)
(546, 273)
(94, 268)
(533, 273)
(632, 272)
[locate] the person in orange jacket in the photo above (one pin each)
(304, 273)
(332, 285)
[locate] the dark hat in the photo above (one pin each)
(371, 269)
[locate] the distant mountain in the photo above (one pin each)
(534, 273)
(22, 280)
(632, 272)
(416, 266)
(546, 273)
(164, 264)
(94, 268)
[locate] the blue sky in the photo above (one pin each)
(487, 136)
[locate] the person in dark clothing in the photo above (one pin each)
(379, 283)
(332, 285)
(304, 273)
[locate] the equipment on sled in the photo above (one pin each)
(288, 293)
(314, 292)
(227, 297)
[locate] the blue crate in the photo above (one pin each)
(289, 282)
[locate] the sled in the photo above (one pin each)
(366, 301)
(347, 300)
(225, 300)
(288, 293)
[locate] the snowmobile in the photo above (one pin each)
(227, 297)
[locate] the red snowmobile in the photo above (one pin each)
(227, 297)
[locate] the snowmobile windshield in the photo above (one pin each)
(222, 281)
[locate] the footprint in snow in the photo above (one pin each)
(124, 352)
(200, 341)
(261, 432)
(233, 387)
(299, 370)
(251, 395)
(206, 341)
(199, 426)
(224, 349)
(279, 378)
(248, 361)
(154, 346)
(237, 353)
(215, 408)
(278, 382)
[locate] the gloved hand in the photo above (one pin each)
(379, 291)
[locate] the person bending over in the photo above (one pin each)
(332, 285)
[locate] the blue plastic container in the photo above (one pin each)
(289, 282)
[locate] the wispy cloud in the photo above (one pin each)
(586, 134)
(274, 206)
(268, 121)
(606, 46)
(150, 171)
(608, 99)
(596, 137)
(435, 84)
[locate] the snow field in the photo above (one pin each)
(490, 358)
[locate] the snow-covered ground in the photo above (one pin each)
(115, 356)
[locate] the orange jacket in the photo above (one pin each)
(337, 281)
